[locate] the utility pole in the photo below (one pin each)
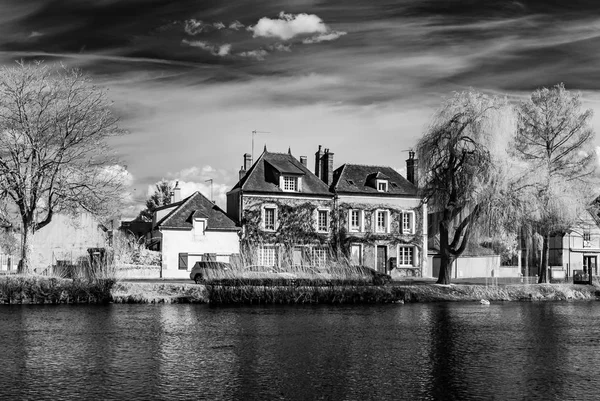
(254, 133)
(211, 189)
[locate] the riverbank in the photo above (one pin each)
(44, 290)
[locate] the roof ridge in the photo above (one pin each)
(183, 203)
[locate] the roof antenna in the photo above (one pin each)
(254, 133)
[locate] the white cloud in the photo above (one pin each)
(193, 27)
(35, 34)
(235, 25)
(218, 25)
(288, 26)
(215, 50)
(280, 47)
(326, 37)
(224, 50)
(259, 54)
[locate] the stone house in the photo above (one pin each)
(382, 221)
(292, 216)
(190, 230)
(284, 209)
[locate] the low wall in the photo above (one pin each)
(137, 271)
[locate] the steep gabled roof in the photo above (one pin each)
(197, 205)
(257, 177)
(354, 178)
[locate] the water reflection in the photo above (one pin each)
(438, 351)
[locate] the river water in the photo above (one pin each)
(453, 351)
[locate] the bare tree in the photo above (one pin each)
(53, 151)
(460, 160)
(555, 143)
(160, 197)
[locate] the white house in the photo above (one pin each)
(191, 230)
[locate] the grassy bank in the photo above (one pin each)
(223, 295)
(18, 289)
(45, 290)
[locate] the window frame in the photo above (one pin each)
(386, 225)
(411, 222)
(360, 222)
(273, 226)
(384, 184)
(262, 255)
(320, 228)
(409, 256)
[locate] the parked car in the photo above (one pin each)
(207, 270)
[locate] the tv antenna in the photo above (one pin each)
(211, 189)
(254, 133)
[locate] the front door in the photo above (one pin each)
(382, 259)
(590, 265)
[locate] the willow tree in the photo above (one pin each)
(462, 158)
(555, 141)
(53, 151)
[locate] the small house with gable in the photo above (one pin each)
(190, 230)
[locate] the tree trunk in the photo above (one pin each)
(447, 258)
(543, 272)
(26, 250)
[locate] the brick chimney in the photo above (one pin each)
(327, 167)
(412, 174)
(176, 192)
(318, 157)
(304, 161)
(247, 164)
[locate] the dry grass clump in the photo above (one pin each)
(158, 293)
(20, 289)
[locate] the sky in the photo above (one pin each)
(191, 80)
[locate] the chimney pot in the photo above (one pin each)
(304, 160)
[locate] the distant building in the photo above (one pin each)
(190, 230)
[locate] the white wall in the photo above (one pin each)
(175, 242)
(66, 238)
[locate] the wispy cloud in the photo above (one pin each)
(215, 50)
(288, 26)
(258, 54)
(326, 37)
(235, 25)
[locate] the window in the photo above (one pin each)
(356, 255)
(382, 185)
(266, 256)
(381, 221)
(290, 183)
(587, 238)
(319, 256)
(322, 220)
(405, 256)
(355, 220)
(269, 219)
(199, 225)
(408, 219)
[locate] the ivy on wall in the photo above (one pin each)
(296, 225)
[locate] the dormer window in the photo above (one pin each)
(290, 183)
(382, 185)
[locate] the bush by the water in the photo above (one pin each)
(53, 290)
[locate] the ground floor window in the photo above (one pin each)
(319, 256)
(356, 257)
(405, 256)
(266, 256)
